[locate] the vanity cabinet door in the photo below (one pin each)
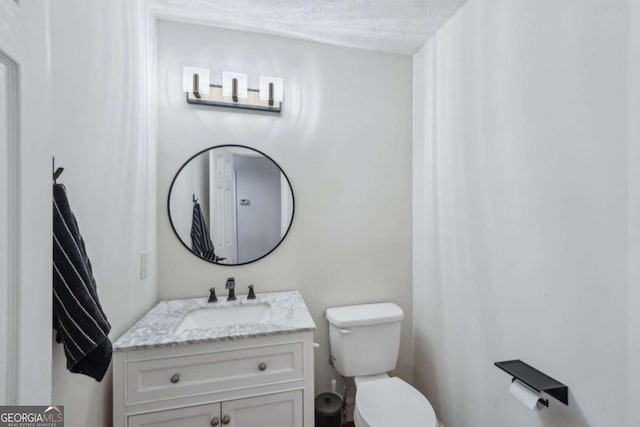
(278, 409)
(194, 416)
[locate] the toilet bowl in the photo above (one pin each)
(364, 341)
(392, 402)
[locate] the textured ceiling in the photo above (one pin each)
(398, 26)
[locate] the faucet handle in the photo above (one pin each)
(252, 295)
(212, 295)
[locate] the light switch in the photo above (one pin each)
(144, 265)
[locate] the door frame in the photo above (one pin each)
(9, 248)
(26, 325)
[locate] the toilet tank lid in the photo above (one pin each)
(364, 314)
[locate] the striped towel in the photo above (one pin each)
(78, 318)
(200, 239)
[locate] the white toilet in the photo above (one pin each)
(365, 340)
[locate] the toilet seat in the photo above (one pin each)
(392, 402)
(357, 419)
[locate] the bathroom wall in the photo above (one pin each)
(343, 139)
(522, 183)
(633, 82)
(101, 138)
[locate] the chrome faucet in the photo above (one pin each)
(231, 286)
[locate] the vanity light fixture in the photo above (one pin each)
(233, 92)
(195, 80)
(270, 89)
(234, 85)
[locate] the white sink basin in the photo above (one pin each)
(215, 317)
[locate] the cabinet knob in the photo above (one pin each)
(215, 422)
(226, 420)
(262, 366)
(175, 378)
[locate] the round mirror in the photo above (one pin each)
(230, 204)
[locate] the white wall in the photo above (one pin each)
(343, 139)
(521, 196)
(100, 135)
(633, 81)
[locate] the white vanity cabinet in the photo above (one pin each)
(277, 409)
(249, 382)
(193, 416)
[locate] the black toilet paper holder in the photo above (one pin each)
(541, 401)
(536, 380)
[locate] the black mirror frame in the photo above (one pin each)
(173, 181)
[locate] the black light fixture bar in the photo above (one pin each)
(215, 99)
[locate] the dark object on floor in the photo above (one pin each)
(78, 318)
(328, 410)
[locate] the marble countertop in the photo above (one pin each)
(157, 328)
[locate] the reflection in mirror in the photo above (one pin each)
(230, 204)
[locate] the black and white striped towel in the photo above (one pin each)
(200, 239)
(81, 323)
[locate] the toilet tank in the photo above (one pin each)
(364, 339)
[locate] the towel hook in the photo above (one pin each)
(195, 200)
(56, 172)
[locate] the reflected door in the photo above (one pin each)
(222, 210)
